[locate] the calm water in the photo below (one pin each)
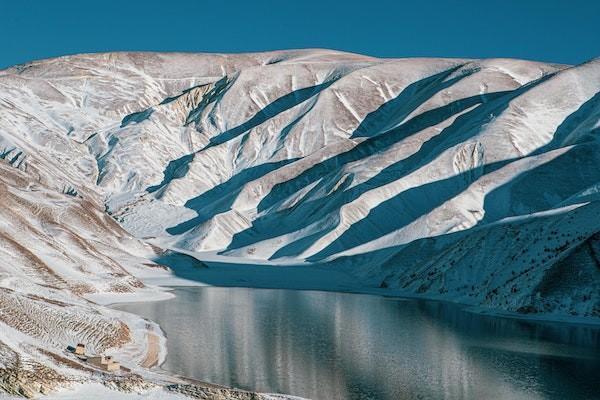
(346, 346)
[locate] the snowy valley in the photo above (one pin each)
(471, 181)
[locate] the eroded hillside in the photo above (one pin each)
(467, 180)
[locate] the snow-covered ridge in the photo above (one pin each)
(470, 180)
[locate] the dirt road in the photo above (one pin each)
(152, 354)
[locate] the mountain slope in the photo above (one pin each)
(467, 180)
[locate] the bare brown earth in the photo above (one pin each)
(152, 353)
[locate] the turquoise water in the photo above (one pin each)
(325, 345)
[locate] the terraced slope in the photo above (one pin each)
(55, 250)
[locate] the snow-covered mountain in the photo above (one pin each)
(469, 180)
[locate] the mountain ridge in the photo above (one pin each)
(467, 180)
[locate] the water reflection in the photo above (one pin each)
(340, 346)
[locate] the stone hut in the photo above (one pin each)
(80, 349)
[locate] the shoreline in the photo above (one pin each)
(234, 271)
(299, 277)
(483, 312)
(168, 285)
(157, 349)
(396, 295)
(285, 277)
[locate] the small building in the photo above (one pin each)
(106, 363)
(113, 366)
(80, 349)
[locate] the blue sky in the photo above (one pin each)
(550, 30)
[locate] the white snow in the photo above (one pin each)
(467, 180)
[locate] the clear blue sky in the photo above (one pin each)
(549, 30)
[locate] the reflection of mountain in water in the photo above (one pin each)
(338, 346)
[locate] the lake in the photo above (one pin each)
(330, 346)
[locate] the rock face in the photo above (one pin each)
(470, 180)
